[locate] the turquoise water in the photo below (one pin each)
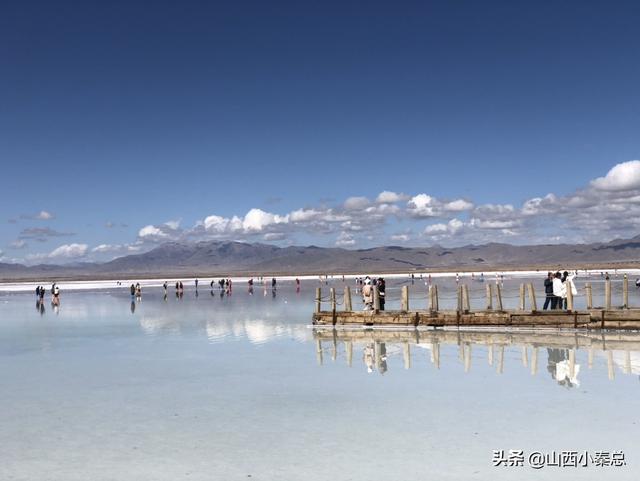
(240, 387)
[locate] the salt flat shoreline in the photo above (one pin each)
(241, 280)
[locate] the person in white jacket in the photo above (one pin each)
(559, 291)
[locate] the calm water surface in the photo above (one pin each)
(213, 387)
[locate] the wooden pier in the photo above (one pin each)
(527, 315)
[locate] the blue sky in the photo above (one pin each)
(117, 118)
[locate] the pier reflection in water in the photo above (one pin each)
(375, 346)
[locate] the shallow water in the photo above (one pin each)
(239, 387)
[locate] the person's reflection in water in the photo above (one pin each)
(558, 367)
(211, 291)
(40, 307)
(381, 357)
(273, 293)
(133, 307)
(197, 292)
(369, 357)
(165, 297)
(221, 294)
(251, 290)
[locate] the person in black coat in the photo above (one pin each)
(548, 290)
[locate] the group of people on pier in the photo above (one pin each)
(368, 295)
(556, 287)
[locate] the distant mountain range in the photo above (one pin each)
(216, 258)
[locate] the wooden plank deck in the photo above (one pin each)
(593, 319)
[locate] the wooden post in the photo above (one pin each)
(435, 297)
(625, 292)
(521, 306)
(405, 299)
(466, 303)
(532, 298)
(589, 294)
(459, 293)
(347, 299)
(318, 299)
(489, 297)
(569, 296)
(332, 295)
(499, 297)
(431, 301)
(607, 294)
(376, 299)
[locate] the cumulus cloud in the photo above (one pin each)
(422, 205)
(257, 220)
(69, 251)
(356, 203)
(388, 197)
(345, 240)
(458, 205)
(624, 176)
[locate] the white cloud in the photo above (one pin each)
(173, 224)
(400, 238)
(104, 248)
(44, 215)
(388, 197)
(458, 205)
(274, 236)
(623, 176)
(422, 205)
(439, 228)
(345, 240)
(69, 251)
(256, 220)
(494, 224)
(356, 203)
(151, 231)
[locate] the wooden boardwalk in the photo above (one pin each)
(494, 315)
